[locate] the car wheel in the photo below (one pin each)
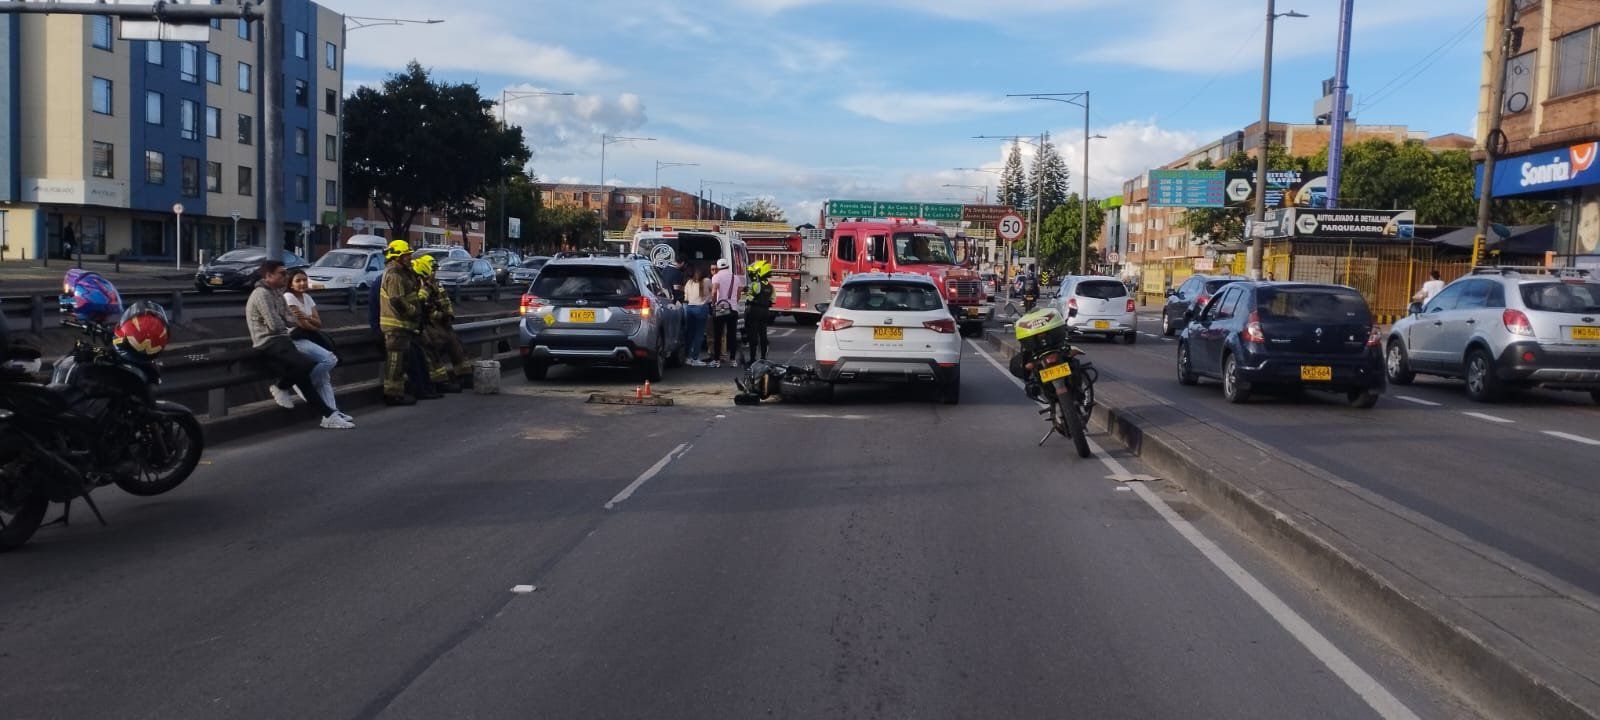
(203, 288)
(1482, 383)
(1596, 395)
(950, 392)
(1167, 328)
(1363, 399)
(1396, 365)
(535, 371)
(1131, 338)
(1186, 374)
(1234, 390)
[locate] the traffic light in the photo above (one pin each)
(1477, 249)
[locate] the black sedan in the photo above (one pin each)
(239, 269)
(503, 262)
(466, 276)
(1192, 295)
(1285, 335)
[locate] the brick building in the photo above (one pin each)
(620, 206)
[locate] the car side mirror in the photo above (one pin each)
(1172, 293)
(1416, 308)
(822, 307)
(1188, 315)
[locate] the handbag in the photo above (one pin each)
(322, 339)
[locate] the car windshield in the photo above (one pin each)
(918, 248)
(244, 255)
(889, 296)
(1313, 304)
(534, 263)
(1212, 286)
(455, 265)
(343, 260)
(1562, 297)
(1101, 289)
(584, 281)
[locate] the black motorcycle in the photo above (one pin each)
(96, 423)
(1061, 379)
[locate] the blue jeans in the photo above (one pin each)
(695, 316)
(321, 374)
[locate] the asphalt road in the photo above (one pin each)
(1517, 476)
(881, 556)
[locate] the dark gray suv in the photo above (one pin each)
(595, 309)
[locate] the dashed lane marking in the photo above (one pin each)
(644, 477)
(1419, 401)
(1570, 436)
(1488, 417)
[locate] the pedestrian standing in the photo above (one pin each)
(758, 308)
(69, 241)
(1429, 288)
(399, 317)
(724, 313)
(448, 368)
(311, 341)
(266, 315)
(697, 311)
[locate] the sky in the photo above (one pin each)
(801, 101)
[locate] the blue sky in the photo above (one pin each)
(803, 100)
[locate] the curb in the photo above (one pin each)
(1491, 675)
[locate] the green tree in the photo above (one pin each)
(416, 143)
(1052, 190)
(1226, 224)
(759, 210)
(1013, 182)
(523, 201)
(566, 227)
(1061, 235)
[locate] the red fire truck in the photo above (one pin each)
(909, 246)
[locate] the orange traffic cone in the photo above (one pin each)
(647, 388)
(638, 393)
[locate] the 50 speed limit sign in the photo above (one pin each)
(1011, 226)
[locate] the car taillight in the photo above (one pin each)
(1374, 337)
(1252, 330)
(529, 304)
(834, 324)
(640, 305)
(1072, 303)
(945, 325)
(1131, 307)
(1517, 323)
(1200, 302)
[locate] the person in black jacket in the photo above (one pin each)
(758, 308)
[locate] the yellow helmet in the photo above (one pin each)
(760, 268)
(423, 265)
(396, 248)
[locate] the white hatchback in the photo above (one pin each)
(1096, 305)
(885, 327)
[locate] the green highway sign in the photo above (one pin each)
(877, 208)
(941, 212)
(852, 208)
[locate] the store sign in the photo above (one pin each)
(1312, 222)
(987, 214)
(1539, 172)
(75, 192)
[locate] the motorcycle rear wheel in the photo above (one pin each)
(167, 458)
(17, 527)
(1075, 429)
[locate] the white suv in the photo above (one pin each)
(1097, 305)
(885, 327)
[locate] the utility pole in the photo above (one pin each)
(1266, 139)
(1341, 84)
(1494, 139)
(272, 130)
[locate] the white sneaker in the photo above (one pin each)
(299, 394)
(334, 422)
(345, 416)
(283, 398)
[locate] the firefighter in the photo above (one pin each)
(400, 300)
(758, 307)
(448, 368)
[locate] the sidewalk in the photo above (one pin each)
(21, 277)
(1503, 634)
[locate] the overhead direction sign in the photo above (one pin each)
(881, 208)
(1188, 188)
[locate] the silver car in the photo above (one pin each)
(600, 310)
(1504, 328)
(1098, 305)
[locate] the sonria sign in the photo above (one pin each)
(1568, 167)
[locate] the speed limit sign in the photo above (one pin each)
(1011, 226)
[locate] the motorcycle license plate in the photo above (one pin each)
(1051, 374)
(216, 281)
(1317, 373)
(1102, 324)
(1586, 333)
(888, 333)
(580, 316)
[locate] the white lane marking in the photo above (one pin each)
(1419, 401)
(644, 477)
(1490, 418)
(1373, 692)
(780, 332)
(1570, 436)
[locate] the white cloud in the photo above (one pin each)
(466, 41)
(1128, 150)
(558, 126)
(912, 108)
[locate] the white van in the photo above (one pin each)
(358, 264)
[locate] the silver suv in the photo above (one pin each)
(595, 309)
(1503, 328)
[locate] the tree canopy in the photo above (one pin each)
(1013, 181)
(1061, 235)
(759, 210)
(1051, 192)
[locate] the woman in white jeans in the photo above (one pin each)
(303, 314)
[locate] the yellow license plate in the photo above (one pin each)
(1321, 373)
(974, 312)
(580, 316)
(1051, 374)
(888, 333)
(1102, 324)
(318, 286)
(216, 281)
(1586, 333)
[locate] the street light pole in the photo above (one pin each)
(1263, 151)
(505, 97)
(1080, 99)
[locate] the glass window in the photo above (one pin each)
(246, 130)
(244, 29)
(1214, 308)
(152, 52)
(189, 118)
(213, 68)
(213, 122)
(244, 77)
(330, 56)
(152, 107)
(1497, 296)
(677, 201)
(1312, 304)
(922, 248)
(102, 96)
(103, 160)
(216, 24)
(889, 297)
(1476, 295)
(330, 193)
(301, 142)
(155, 167)
(189, 62)
(330, 102)
(847, 247)
(330, 147)
(1100, 289)
(301, 90)
(1446, 299)
(191, 177)
(100, 26)
(1562, 297)
(581, 281)
(878, 248)
(214, 177)
(302, 190)
(300, 43)
(1576, 61)
(245, 183)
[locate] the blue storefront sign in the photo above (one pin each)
(1544, 171)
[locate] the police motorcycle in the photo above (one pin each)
(97, 422)
(1056, 375)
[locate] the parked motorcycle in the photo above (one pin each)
(1056, 375)
(97, 422)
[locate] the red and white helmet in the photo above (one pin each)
(142, 331)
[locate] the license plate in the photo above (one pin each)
(216, 281)
(580, 316)
(1102, 324)
(1586, 333)
(1051, 374)
(318, 286)
(1320, 373)
(888, 333)
(974, 312)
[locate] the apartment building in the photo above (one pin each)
(619, 205)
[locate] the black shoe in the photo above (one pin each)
(399, 400)
(447, 387)
(430, 395)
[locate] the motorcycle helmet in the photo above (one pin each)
(141, 334)
(1040, 329)
(759, 269)
(89, 297)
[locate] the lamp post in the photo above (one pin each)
(1262, 151)
(505, 97)
(984, 188)
(699, 202)
(1080, 99)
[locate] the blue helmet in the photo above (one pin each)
(90, 298)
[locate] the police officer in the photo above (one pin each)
(399, 318)
(758, 307)
(447, 360)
